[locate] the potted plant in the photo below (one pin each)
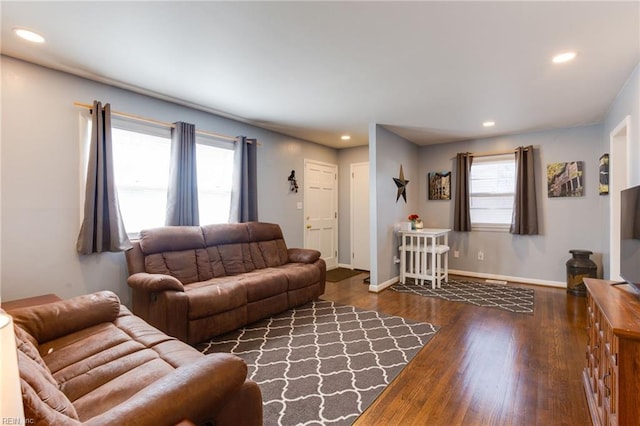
(416, 222)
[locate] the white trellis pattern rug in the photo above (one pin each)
(509, 298)
(323, 363)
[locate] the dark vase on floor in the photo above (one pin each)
(578, 267)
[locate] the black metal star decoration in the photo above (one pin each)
(401, 183)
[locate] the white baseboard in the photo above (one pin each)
(378, 288)
(534, 281)
(344, 265)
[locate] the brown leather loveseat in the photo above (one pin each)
(88, 360)
(196, 282)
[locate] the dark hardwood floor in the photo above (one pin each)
(485, 366)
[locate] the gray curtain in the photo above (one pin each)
(244, 190)
(102, 227)
(182, 195)
(462, 215)
(525, 209)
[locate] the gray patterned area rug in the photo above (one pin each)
(513, 299)
(323, 363)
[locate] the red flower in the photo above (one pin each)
(413, 217)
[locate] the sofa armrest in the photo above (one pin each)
(53, 320)
(299, 255)
(154, 282)
(197, 391)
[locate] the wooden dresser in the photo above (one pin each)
(612, 376)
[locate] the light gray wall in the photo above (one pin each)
(565, 223)
(387, 151)
(626, 103)
(347, 157)
(41, 178)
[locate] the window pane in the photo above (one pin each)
(494, 216)
(141, 168)
(492, 185)
(489, 203)
(215, 171)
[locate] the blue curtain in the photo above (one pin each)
(182, 195)
(102, 226)
(244, 190)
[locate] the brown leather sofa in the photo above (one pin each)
(88, 360)
(196, 282)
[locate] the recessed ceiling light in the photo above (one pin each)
(28, 35)
(564, 57)
(345, 137)
(489, 124)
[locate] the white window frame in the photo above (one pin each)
(492, 227)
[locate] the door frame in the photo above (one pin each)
(619, 172)
(352, 214)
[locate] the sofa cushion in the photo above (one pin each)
(215, 296)
(171, 238)
(188, 266)
(268, 254)
(49, 321)
(177, 251)
(262, 231)
(264, 283)
(44, 403)
(225, 233)
(235, 258)
(300, 275)
(237, 248)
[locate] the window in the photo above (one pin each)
(491, 191)
(215, 171)
(141, 170)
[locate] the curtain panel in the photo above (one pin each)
(462, 215)
(102, 226)
(525, 209)
(182, 194)
(244, 187)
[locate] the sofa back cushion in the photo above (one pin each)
(52, 320)
(178, 251)
(192, 253)
(236, 248)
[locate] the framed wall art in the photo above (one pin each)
(603, 183)
(565, 179)
(439, 185)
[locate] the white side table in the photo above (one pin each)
(424, 255)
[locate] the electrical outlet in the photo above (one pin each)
(456, 254)
(480, 255)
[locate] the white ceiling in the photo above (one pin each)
(429, 71)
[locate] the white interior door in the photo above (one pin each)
(360, 256)
(618, 180)
(321, 210)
